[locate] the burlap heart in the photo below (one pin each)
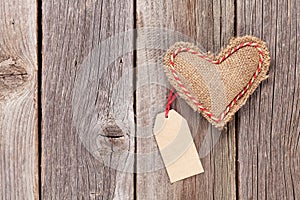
(217, 86)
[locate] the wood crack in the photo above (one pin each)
(10, 75)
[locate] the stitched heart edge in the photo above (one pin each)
(234, 45)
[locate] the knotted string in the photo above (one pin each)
(171, 98)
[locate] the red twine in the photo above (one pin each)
(171, 98)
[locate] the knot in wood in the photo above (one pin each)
(113, 131)
(13, 77)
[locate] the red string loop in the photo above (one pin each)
(171, 98)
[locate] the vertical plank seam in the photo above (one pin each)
(39, 92)
(235, 19)
(236, 132)
(134, 75)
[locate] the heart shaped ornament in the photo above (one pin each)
(217, 86)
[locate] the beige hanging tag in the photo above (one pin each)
(176, 146)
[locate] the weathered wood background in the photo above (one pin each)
(79, 90)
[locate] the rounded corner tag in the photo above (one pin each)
(176, 146)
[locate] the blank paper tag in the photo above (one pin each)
(176, 146)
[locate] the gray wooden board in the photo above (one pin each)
(18, 100)
(160, 24)
(268, 126)
(88, 89)
(88, 130)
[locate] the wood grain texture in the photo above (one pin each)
(269, 126)
(160, 24)
(89, 149)
(87, 100)
(18, 113)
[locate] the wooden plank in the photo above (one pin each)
(161, 23)
(87, 108)
(18, 100)
(269, 127)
